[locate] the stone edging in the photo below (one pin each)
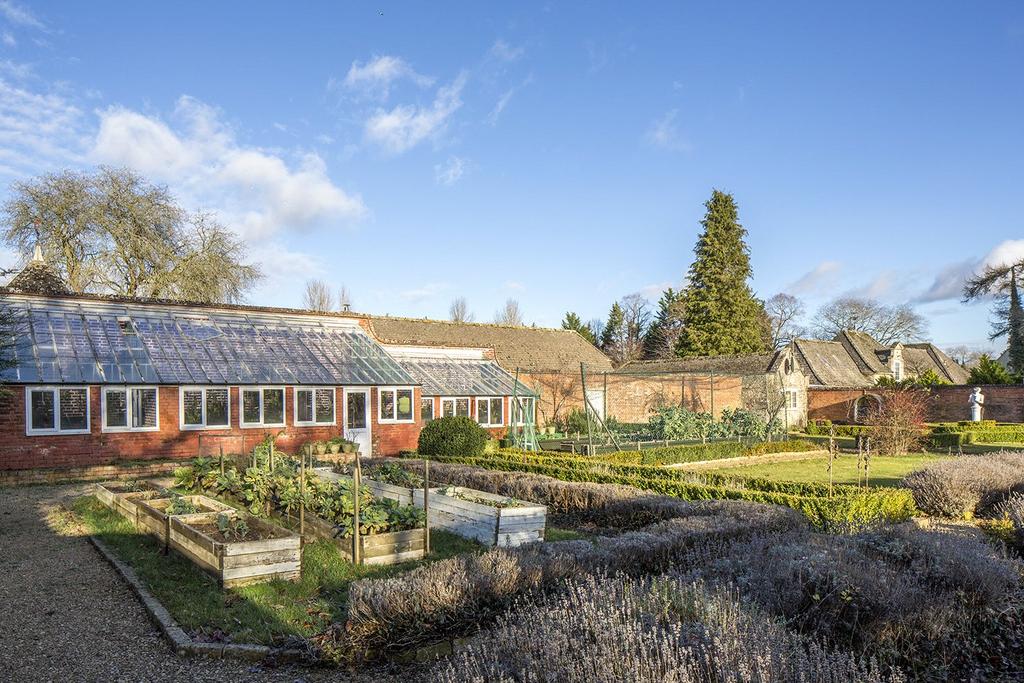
(747, 460)
(180, 641)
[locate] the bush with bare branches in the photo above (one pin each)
(898, 420)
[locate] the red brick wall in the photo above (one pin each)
(633, 398)
(1004, 403)
(19, 451)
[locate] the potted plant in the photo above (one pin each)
(334, 446)
(347, 446)
(320, 447)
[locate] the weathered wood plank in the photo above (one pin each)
(233, 573)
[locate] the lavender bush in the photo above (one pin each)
(967, 486)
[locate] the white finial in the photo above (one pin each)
(37, 255)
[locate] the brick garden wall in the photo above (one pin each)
(1003, 403)
(20, 451)
(633, 398)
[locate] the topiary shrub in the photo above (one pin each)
(455, 436)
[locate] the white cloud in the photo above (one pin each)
(949, 282)
(256, 191)
(16, 14)
(514, 286)
(664, 133)
(450, 172)
(375, 77)
(19, 71)
(8, 39)
(821, 277)
(38, 131)
(505, 98)
(505, 52)
(427, 291)
(405, 126)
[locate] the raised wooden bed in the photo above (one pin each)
(489, 524)
(387, 548)
(275, 554)
(123, 500)
(151, 515)
(380, 489)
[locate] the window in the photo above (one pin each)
(427, 409)
(489, 412)
(314, 406)
(454, 406)
(204, 408)
(523, 410)
(792, 399)
(355, 410)
(130, 409)
(262, 406)
(897, 371)
(395, 405)
(57, 410)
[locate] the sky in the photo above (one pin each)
(554, 153)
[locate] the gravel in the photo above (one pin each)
(65, 614)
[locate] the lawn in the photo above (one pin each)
(885, 470)
(265, 613)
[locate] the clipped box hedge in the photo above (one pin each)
(720, 450)
(848, 508)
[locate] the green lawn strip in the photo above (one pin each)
(885, 470)
(556, 534)
(262, 613)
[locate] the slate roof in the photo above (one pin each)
(924, 356)
(81, 340)
(462, 377)
(531, 349)
(867, 353)
(748, 364)
(830, 364)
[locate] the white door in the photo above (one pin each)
(357, 420)
(596, 399)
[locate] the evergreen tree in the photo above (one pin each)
(573, 322)
(721, 314)
(988, 371)
(662, 335)
(614, 333)
(1008, 321)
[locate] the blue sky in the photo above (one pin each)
(555, 153)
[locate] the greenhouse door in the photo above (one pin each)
(357, 419)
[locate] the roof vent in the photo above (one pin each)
(126, 326)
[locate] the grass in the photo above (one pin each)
(885, 470)
(265, 613)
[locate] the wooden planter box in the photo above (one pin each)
(490, 525)
(278, 555)
(151, 515)
(389, 548)
(117, 498)
(379, 489)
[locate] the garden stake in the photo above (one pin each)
(222, 459)
(356, 473)
(270, 460)
(586, 410)
(426, 503)
(302, 501)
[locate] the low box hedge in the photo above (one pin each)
(673, 455)
(848, 508)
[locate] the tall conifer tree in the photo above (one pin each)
(1008, 314)
(573, 322)
(721, 314)
(614, 334)
(662, 335)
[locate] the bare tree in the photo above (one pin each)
(784, 314)
(114, 232)
(636, 318)
(458, 312)
(898, 420)
(964, 355)
(887, 324)
(344, 299)
(596, 327)
(318, 297)
(12, 323)
(509, 315)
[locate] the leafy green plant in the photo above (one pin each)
(181, 506)
(392, 473)
(452, 436)
(233, 528)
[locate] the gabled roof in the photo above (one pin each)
(829, 363)
(866, 352)
(81, 340)
(745, 364)
(921, 357)
(530, 349)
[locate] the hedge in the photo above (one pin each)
(849, 508)
(672, 455)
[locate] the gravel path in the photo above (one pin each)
(65, 615)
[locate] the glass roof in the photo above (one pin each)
(458, 377)
(94, 343)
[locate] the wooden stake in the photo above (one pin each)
(356, 473)
(302, 500)
(426, 502)
(222, 459)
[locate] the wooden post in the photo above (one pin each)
(831, 456)
(586, 410)
(222, 458)
(356, 474)
(302, 500)
(712, 395)
(426, 502)
(270, 460)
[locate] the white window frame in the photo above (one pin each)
(204, 426)
(433, 407)
(262, 388)
(55, 389)
(314, 423)
(395, 420)
(521, 399)
(897, 370)
(127, 388)
(454, 401)
(490, 424)
(792, 398)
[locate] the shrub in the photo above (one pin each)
(452, 436)
(605, 630)
(1013, 509)
(679, 423)
(702, 452)
(899, 421)
(967, 486)
(575, 422)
